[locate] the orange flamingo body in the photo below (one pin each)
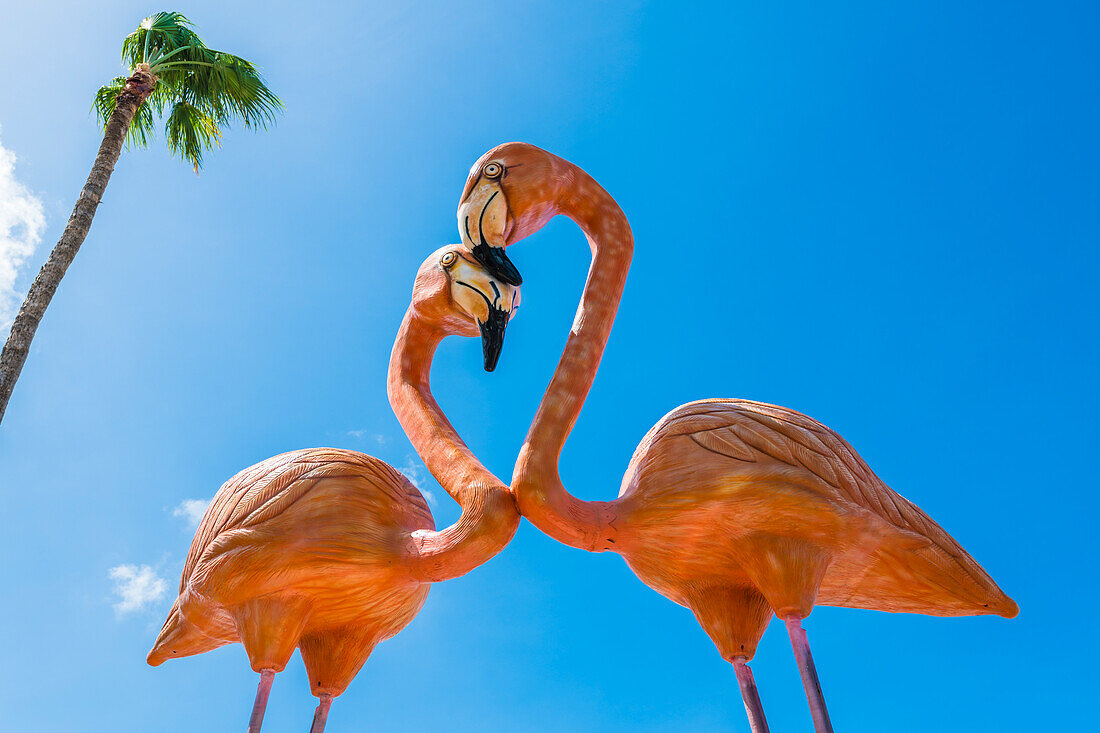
(293, 552)
(733, 503)
(738, 510)
(332, 551)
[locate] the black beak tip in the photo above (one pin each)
(496, 262)
(492, 337)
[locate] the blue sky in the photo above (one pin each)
(883, 217)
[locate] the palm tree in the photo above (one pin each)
(170, 69)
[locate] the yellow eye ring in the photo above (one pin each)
(448, 259)
(493, 170)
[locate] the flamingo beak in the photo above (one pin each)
(496, 263)
(492, 336)
(484, 301)
(482, 219)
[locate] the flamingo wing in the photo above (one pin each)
(754, 431)
(268, 488)
(749, 431)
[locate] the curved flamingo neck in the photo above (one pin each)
(537, 483)
(489, 517)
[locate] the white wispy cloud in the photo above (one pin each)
(136, 587)
(364, 433)
(21, 224)
(413, 468)
(191, 511)
(417, 472)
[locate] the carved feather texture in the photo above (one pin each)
(748, 431)
(267, 489)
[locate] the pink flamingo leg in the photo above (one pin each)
(749, 694)
(267, 676)
(321, 716)
(809, 675)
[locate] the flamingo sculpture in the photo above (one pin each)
(735, 509)
(333, 551)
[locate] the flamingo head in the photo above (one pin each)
(511, 192)
(461, 296)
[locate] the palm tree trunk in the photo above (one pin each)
(137, 89)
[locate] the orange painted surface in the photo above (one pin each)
(333, 551)
(735, 509)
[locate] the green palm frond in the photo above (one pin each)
(232, 88)
(160, 98)
(141, 126)
(190, 132)
(158, 35)
(205, 89)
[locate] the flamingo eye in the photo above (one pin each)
(493, 170)
(448, 259)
